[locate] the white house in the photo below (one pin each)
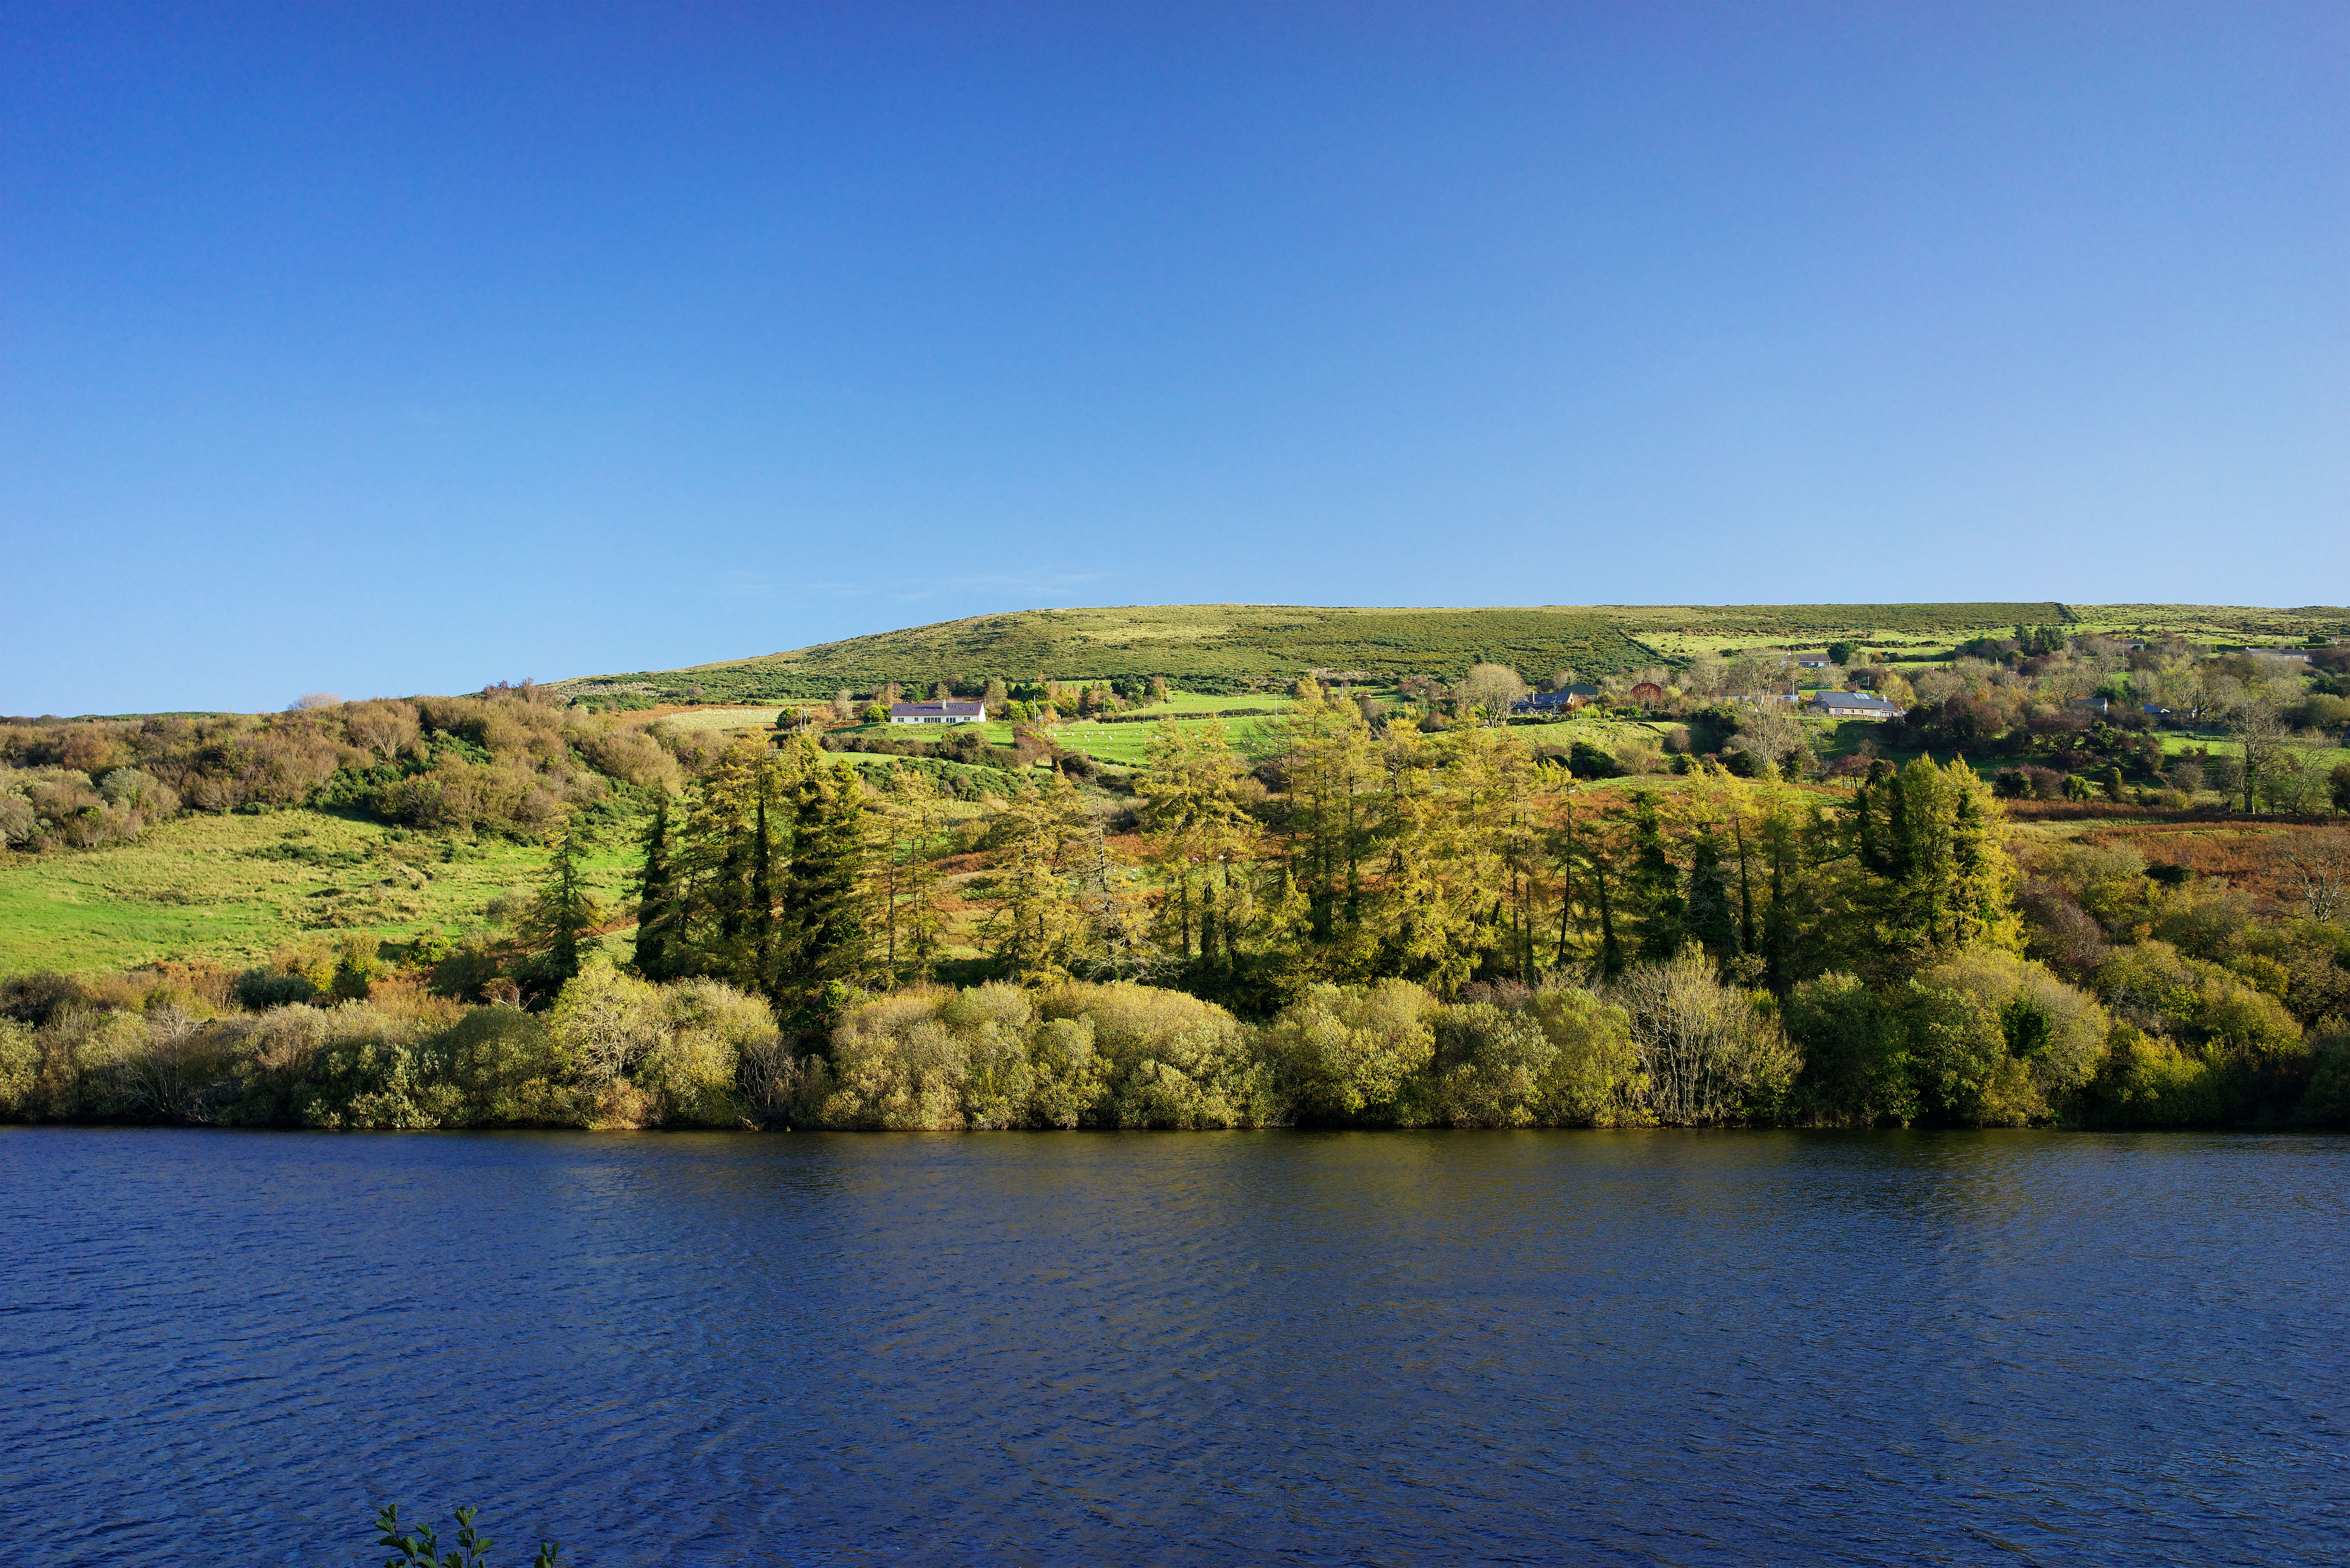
(1855, 705)
(947, 712)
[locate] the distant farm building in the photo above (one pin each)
(1568, 697)
(938, 713)
(1855, 705)
(1813, 662)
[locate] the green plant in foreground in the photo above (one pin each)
(422, 1548)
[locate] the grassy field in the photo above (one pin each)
(2323, 758)
(760, 716)
(2214, 623)
(1181, 705)
(1126, 745)
(236, 887)
(1891, 645)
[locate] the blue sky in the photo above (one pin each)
(387, 349)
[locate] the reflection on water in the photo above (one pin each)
(1089, 1348)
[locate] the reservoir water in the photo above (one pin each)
(1184, 1348)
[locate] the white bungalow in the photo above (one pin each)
(947, 712)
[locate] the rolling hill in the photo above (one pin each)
(1232, 648)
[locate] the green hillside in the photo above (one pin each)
(1209, 647)
(1232, 648)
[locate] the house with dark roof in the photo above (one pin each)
(1566, 697)
(947, 712)
(1854, 705)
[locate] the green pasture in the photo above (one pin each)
(761, 718)
(2325, 758)
(1181, 703)
(2248, 624)
(1681, 647)
(1127, 745)
(236, 887)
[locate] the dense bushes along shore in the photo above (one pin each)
(1240, 945)
(1981, 1038)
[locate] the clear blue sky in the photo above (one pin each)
(385, 349)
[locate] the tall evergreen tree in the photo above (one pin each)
(1655, 882)
(822, 930)
(908, 830)
(565, 913)
(1611, 948)
(761, 913)
(1708, 919)
(1040, 930)
(657, 909)
(1779, 921)
(1198, 834)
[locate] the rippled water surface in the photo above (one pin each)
(1379, 1348)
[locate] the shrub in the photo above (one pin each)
(1173, 1060)
(37, 997)
(20, 1067)
(1593, 1077)
(2057, 1033)
(1857, 1067)
(896, 1062)
(1708, 1052)
(2146, 1081)
(1346, 1054)
(1585, 761)
(2326, 1101)
(507, 1065)
(1489, 1067)
(1957, 1059)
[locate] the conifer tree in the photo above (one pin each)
(822, 942)
(1708, 919)
(906, 829)
(1654, 882)
(1611, 948)
(712, 932)
(564, 912)
(1196, 825)
(760, 915)
(1039, 929)
(1779, 921)
(1928, 836)
(656, 900)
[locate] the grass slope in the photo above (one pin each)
(1232, 648)
(237, 888)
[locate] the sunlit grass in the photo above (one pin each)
(235, 888)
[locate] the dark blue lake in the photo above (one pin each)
(1184, 1348)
